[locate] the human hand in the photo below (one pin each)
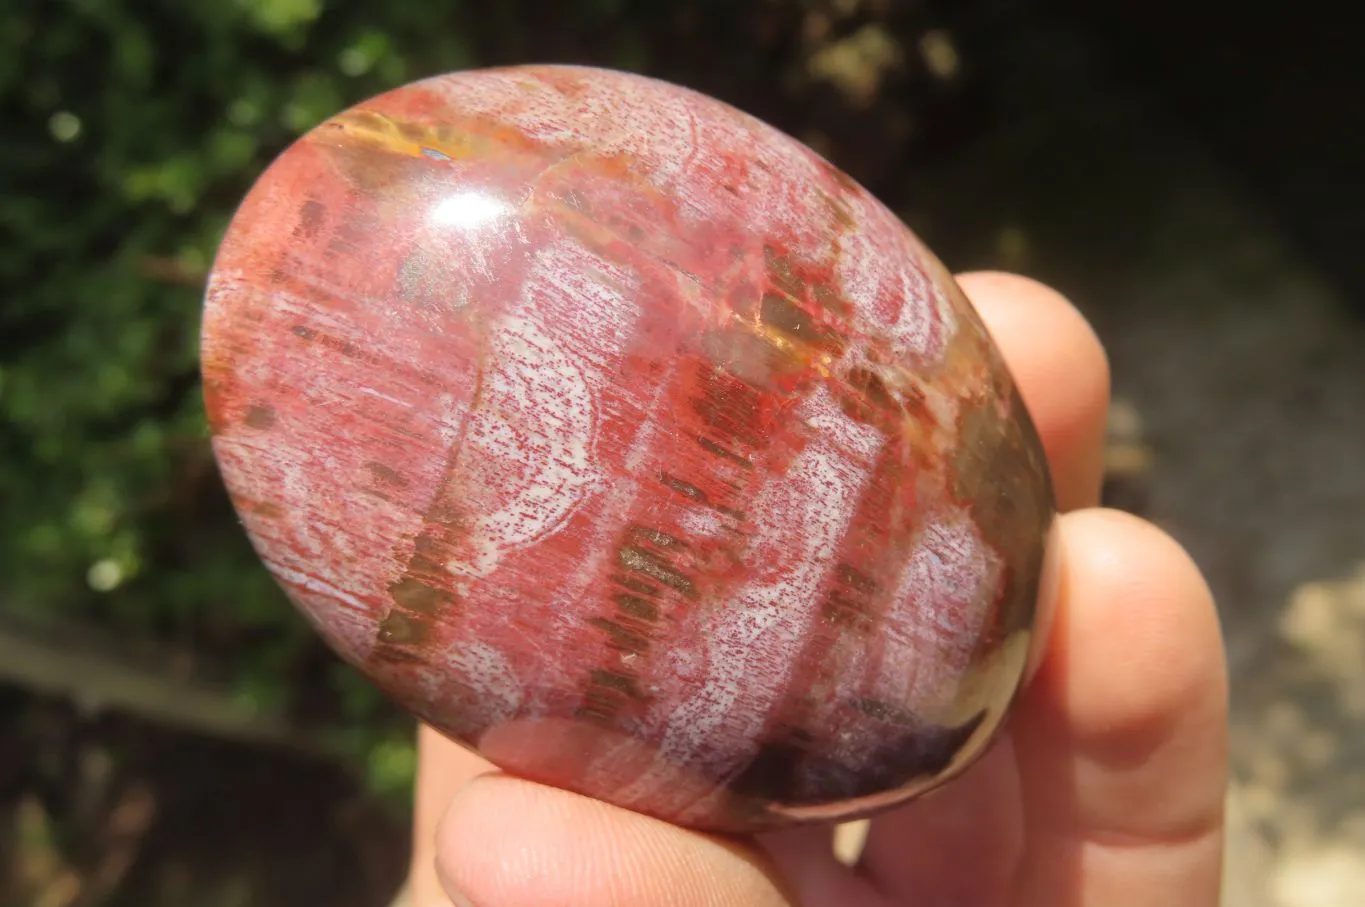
(1106, 790)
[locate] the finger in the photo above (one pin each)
(506, 842)
(443, 767)
(1062, 373)
(1122, 738)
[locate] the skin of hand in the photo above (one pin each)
(1105, 790)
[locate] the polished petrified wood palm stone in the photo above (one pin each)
(624, 439)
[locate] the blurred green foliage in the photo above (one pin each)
(128, 132)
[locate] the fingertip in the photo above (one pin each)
(1124, 730)
(506, 842)
(1021, 306)
(1140, 638)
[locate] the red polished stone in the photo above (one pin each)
(621, 437)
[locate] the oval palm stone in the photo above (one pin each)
(622, 438)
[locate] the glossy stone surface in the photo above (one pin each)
(623, 438)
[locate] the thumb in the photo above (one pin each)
(505, 842)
